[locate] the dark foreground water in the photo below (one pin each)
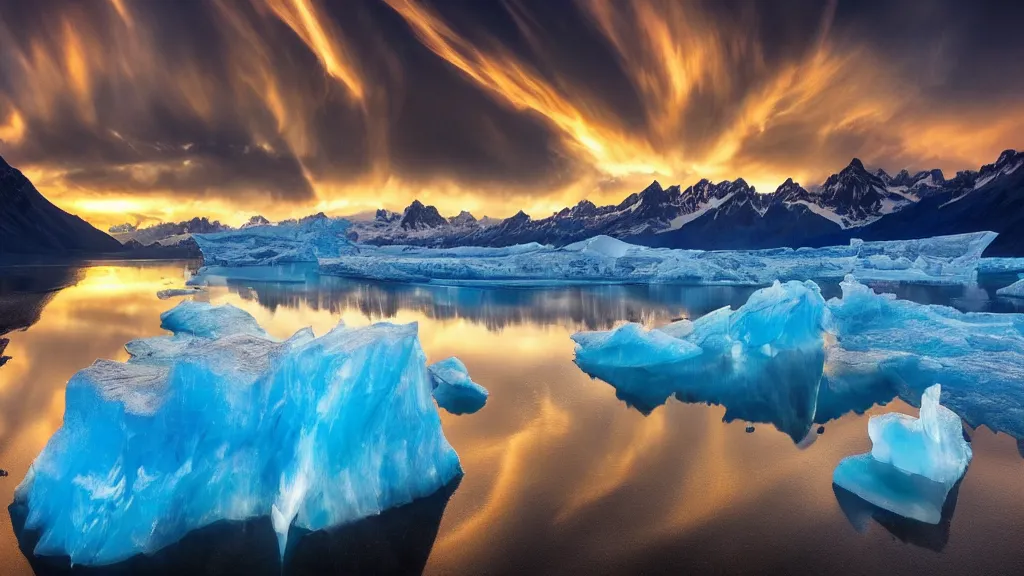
(560, 476)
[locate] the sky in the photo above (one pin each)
(144, 111)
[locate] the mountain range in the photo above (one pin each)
(854, 203)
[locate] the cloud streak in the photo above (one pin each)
(225, 108)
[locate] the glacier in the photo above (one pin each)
(1015, 290)
(1000, 265)
(324, 244)
(306, 240)
(913, 463)
(219, 421)
(789, 358)
(453, 389)
(941, 260)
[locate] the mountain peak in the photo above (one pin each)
(464, 218)
(418, 217)
(856, 164)
(655, 185)
(1005, 157)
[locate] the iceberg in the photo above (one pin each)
(1015, 290)
(323, 242)
(789, 358)
(913, 463)
(763, 362)
(220, 421)
(453, 389)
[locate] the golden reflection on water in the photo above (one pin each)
(554, 463)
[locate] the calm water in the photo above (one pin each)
(560, 476)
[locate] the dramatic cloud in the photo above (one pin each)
(166, 110)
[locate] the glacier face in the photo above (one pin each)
(913, 463)
(832, 357)
(942, 260)
(323, 242)
(454, 390)
(221, 422)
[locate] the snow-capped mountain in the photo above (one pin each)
(732, 214)
(854, 197)
(420, 217)
(30, 224)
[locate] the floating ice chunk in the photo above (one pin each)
(763, 362)
(172, 292)
(914, 462)
(932, 446)
(875, 348)
(221, 422)
(205, 320)
(978, 357)
(453, 388)
(1015, 290)
(630, 345)
(783, 316)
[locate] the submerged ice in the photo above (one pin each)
(789, 358)
(220, 421)
(913, 463)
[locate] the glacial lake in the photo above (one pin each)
(561, 477)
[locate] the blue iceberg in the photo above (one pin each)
(221, 422)
(914, 462)
(789, 358)
(1015, 290)
(978, 357)
(763, 362)
(453, 388)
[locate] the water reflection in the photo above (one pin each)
(860, 513)
(781, 390)
(581, 307)
(398, 541)
(560, 477)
